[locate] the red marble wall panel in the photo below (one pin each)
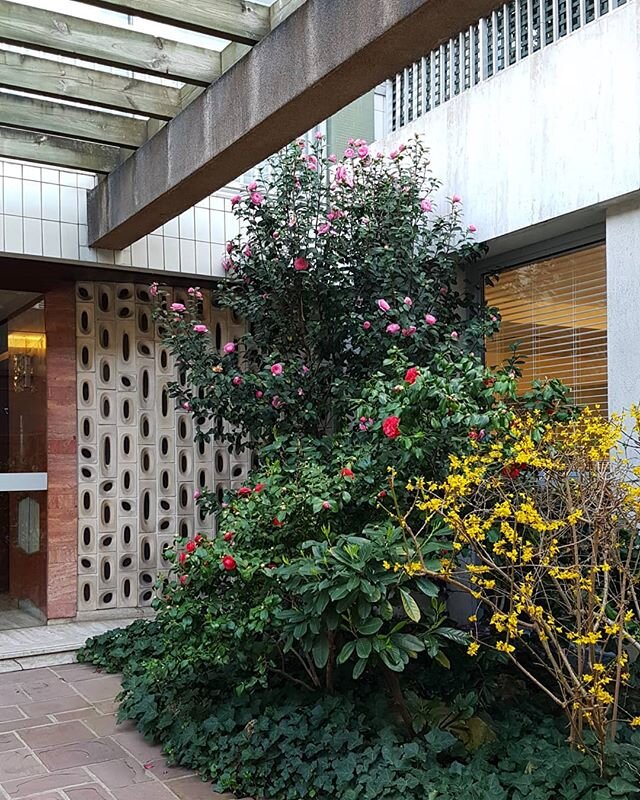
(62, 511)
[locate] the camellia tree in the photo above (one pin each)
(362, 355)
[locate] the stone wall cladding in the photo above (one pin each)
(138, 463)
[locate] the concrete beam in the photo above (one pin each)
(63, 34)
(323, 56)
(238, 20)
(60, 151)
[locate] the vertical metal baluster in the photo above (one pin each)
(484, 67)
(405, 97)
(529, 26)
(583, 13)
(399, 120)
(518, 30)
(388, 109)
(494, 41)
(442, 76)
(414, 92)
(556, 20)
(432, 77)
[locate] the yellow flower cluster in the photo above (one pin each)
(412, 568)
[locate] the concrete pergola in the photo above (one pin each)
(165, 145)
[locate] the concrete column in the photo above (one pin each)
(623, 304)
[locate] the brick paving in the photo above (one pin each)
(59, 741)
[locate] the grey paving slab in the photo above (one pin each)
(59, 740)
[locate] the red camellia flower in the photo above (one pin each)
(228, 536)
(391, 427)
(512, 471)
(199, 538)
(346, 472)
(183, 579)
(229, 563)
(300, 264)
(411, 375)
(191, 546)
(244, 491)
(182, 558)
(382, 494)
(277, 523)
(259, 487)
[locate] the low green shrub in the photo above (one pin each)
(284, 744)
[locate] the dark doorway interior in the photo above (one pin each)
(4, 459)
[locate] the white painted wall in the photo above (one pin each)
(553, 134)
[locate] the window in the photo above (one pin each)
(557, 310)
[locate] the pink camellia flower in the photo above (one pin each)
(393, 155)
(235, 199)
(324, 227)
(333, 158)
(383, 305)
(409, 331)
(301, 143)
(153, 289)
(200, 329)
(430, 319)
(186, 405)
(456, 198)
(230, 347)
(277, 369)
(227, 264)
(455, 335)
(275, 235)
(472, 229)
(259, 395)
(257, 199)
(319, 135)
(366, 325)
(408, 301)
(343, 176)
(363, 151)
(177, 307)
(402, 148)
(229, 247)
(252, 186)
(426, 205)
(197, 495)
(349, 153)
(236, 380)
(326, 505)
(247, 251)
(300, 264)
(393, 327)
(305, 369)
(494, 318)
(276, 402)
(444, 290)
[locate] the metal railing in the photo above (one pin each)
(510, 34)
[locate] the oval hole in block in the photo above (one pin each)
(126, 347)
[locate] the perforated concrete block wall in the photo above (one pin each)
(138, 462)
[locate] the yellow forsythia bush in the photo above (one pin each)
(543, 525)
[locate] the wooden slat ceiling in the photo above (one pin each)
(83, 87)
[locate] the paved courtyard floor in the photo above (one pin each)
(59, 741)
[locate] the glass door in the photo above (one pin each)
(23, 456)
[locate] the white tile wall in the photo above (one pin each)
(43, 212)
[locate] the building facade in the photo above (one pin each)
(529, 119)
(531, 116)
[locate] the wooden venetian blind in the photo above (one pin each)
(557, 310)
